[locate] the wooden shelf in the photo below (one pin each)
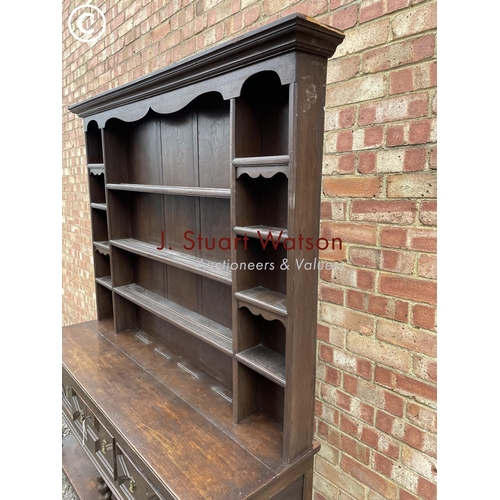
(98, 206)
(267, 166)
(96, 168)
(265, 361)
(268, 303)
(105, 281)
(102, 246)
(203, 328)
(253, 232)
(172, 190)
(190, 263)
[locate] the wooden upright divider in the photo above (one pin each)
(197, 379)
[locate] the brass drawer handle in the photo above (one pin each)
(68, 391)
(81, 416)
(103, 446)
(132, 485)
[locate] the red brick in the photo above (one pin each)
(367, 162)
(326, 210)
(372, 11)
(347, 117)
(395, 135)
(356, 300)
(404, 495)
(413, 436)
(400, 310)
(343, 400)
(319, 496)
(366, 413)
(394, 404)
(373, 480)
(387, 307)
(351, 384)
(373, 136)
(424, 239)
(333, 376)
(378, 305)
(325, 353)
(324, 430)
(370, 437)
(346, 164)
(350, 233)
(424, 47)
(360, 187)
(331, 293)
(424, 316)
(393, 237)
(420, 132)
(355, 449)
(392, 212)
(419, 290)
(348, 425)
(393, 5)
(364, 368)
(345, 18)
(382, 464)
(323, 332)
(344, 141)
(415, 160)
(384, 422)
(397, 261)
(426, 489)
(404, 384)
(401, 81)
(365, 279)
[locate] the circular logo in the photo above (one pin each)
(87, 23)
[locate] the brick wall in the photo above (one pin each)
(376, 365)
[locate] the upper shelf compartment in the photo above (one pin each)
(94, 144)
(185, 149)
(261, 126)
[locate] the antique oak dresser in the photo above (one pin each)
(197, 379)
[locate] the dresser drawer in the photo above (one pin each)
(132, 482)
(105, 447)
(74, 407)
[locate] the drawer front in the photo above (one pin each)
(67, 394)
(105, 448)
(75, 408)
(89, 429)
(132, 483)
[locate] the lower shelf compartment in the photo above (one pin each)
(105, 281)
(266, 362)
(205, 329)
(79, 470)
